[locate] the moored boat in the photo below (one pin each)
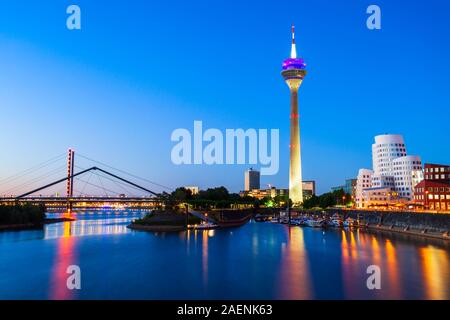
(351, 223)
(337, 223)
(203, 226)
(319, 223)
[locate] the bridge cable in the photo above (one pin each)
(94, 185)
(84, 187)
(121, 184)
(32, 169)
(101, 183)
(122, 171)
(36, 179)
(116, 182)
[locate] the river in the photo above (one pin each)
(255, 261)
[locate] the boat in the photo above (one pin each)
(350, 223)
(233, 218)
(337, 223)
(284, 220)
(337, 216)
(261, 218)
(203, 226)
(319, 223)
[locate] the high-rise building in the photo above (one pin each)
(252, 180)
(293, 73)
(309, 189)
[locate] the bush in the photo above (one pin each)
(22, 214)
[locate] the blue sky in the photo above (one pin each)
(137, 70)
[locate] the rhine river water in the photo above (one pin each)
(255, 261)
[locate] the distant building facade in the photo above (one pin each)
(252, 180)
(349, 186)
(194, 190)
(264, 193)
(380, 196)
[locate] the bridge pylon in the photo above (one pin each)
(69, 193)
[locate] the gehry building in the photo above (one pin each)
(394, 173)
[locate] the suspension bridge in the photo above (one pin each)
(35, 187)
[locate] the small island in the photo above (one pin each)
(167, 220)
(209, 209)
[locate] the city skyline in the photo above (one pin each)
(122, 104)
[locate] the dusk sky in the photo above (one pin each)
(115, 90)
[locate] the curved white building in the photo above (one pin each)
(403, 172)
(394, 174)
(386, 148)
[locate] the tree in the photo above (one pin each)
(181, 194)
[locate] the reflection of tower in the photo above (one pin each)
(70, 165)
(293, 73)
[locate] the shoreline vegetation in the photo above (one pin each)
(25, 217)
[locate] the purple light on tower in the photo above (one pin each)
(294, 63)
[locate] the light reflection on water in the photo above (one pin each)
(256, 261)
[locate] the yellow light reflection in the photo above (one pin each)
(205, 256)
(295, 277)
(392, 270)
(435, 265)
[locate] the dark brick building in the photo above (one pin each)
(434, 191)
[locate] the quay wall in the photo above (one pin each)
(429, 222)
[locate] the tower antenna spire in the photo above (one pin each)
(293, 48)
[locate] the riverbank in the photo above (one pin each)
(409, 232)
(428, 225)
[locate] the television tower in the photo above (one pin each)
(293, 73)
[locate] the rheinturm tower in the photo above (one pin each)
(293, 73)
